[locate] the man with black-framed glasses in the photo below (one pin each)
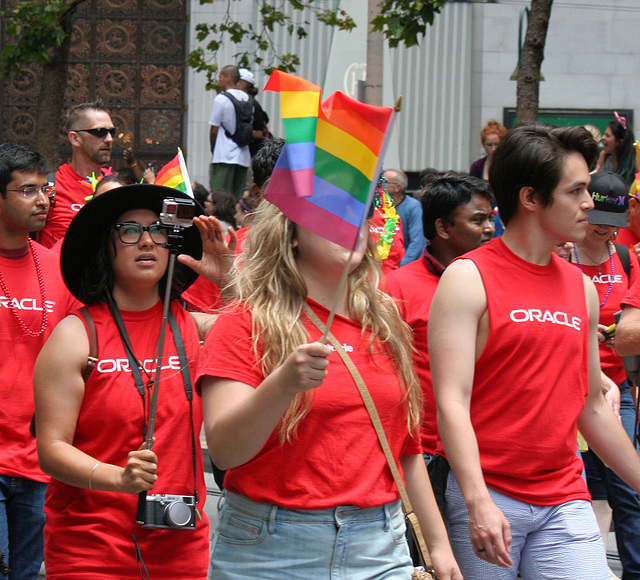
(33, 299)
(91, 133)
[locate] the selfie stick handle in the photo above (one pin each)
(159, 349)
(142, 496)
(174, 245)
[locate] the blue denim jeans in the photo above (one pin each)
(623, 500)
(254, 540)
(21, 524)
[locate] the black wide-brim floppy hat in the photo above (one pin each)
(80, 245)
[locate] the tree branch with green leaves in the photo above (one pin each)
(265, 53)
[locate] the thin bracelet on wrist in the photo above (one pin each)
(92, 472)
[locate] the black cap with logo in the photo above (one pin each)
(609, 193)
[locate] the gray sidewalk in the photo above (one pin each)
(612, 556)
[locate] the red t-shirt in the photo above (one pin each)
(336, 458)
(241, 236)
(71, 191)
(531, 379)
(617, 281)
(627, 238)
(413, 287)
(88, 533)
(18, 456)
(632, 297)
(202, 296)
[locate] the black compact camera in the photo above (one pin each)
(170, 512)
(177, 212)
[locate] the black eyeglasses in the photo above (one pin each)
(32, 191)
(131, 232)
(99, 132)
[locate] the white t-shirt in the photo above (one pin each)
(223, 116)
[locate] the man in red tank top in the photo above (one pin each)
(514, 356)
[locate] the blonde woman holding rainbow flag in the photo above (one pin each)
(308, 491)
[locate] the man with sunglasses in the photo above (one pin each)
(33, 299)
(91, 134)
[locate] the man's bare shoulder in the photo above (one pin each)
(461, 288)
(461, 270)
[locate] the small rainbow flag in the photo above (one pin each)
(326, 174)
(174, 174)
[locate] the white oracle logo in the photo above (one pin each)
(77, 206)
(545, 316)
(113, 365)
(346, 347)
(25, 304)
(356, 71)
(606, 279)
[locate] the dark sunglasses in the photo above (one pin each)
(99, 132)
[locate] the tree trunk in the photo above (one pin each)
(375, 60)
(51, 99)
(528, 90)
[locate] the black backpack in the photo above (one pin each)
(623, 254)
(244, 120)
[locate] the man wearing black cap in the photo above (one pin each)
(612, 269)
(33, 299)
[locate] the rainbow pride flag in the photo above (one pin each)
(174, 174)
(328, 169)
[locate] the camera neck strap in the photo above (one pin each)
(135, 365)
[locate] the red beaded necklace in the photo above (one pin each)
(45, 318)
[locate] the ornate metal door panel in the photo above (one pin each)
(129, 53)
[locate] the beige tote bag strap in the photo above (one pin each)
(382, 437)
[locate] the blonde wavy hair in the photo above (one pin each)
(268, 281)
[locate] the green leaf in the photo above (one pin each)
(401, 21)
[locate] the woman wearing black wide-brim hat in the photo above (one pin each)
(94, 382)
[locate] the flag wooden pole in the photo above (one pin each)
(345, 273)
(339, 291)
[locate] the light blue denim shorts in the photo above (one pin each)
(558, 542)
(257, 540)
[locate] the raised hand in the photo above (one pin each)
(217, 254)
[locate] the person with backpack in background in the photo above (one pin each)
(231, 132)
(261, 133)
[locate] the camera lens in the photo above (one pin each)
(177, 514)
